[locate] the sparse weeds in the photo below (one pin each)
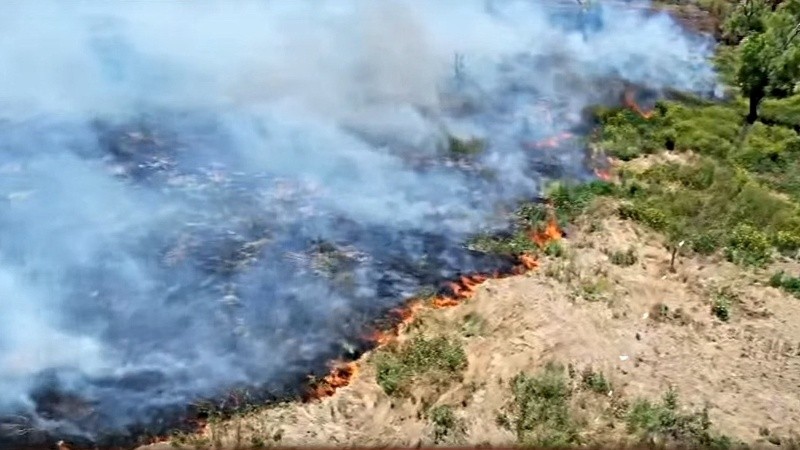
(624, 258)
(441, 359)
(595, 381)
(593, 290)
(474, 325)
(722, 303)
(446, 426)
(540, 413)
(664, 422)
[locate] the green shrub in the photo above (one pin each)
(748, 246)
(722, 303)
(446, 425)
(624, 259)
(785, 111)
(649, 215)
(767, 148)
(665, 421)
(787, 242)
(540, 414)
(595, 381)
(788, 283)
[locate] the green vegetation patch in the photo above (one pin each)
(725, 198)
(786, 282)
(540, 415)
(665, 421)
(465, 147)
(446, 426)
(439, 360)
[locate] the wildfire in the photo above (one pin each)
(603, 174)
(461, 290)
(528, 262)
(550, 233)
(340, 376)
(630, 103)
(551, 142)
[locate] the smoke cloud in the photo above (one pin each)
(198, 196)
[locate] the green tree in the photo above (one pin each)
(746, 18)
(770, 58)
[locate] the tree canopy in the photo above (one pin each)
(769, 51)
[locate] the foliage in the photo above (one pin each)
(786, 282)
(769, 54)
(441, 359)
(748, 246)
(465, 147)
(665, 421)
(722, 303)
(595, 381)
(446, 426)
(782, 111)
(722, 199)
(624, 259)
(746, 18)
(540, 413)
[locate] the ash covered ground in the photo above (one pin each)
(197, 198)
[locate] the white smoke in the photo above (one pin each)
(322, 106)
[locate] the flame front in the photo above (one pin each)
(630, 103)
(550, 233)
(341, 375)
(465, 288)
(551, 142)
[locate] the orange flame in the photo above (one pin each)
(528, 262)
(465, 288)
(551, 142)
(630, 103)
(340, 376)
(550, 233)
(603, 174)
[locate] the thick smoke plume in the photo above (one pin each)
(197, 196)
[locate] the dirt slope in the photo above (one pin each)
(642, 326)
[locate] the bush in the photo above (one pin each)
(722, 303)
(788, 283)
(768, 149)
(665, 421)
(446, 425)
(748, 246)
(441, 358)
(541, 414)
(787, 242)
(624, 259)
(595, 381)
(785, 111)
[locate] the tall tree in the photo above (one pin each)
(770, 58)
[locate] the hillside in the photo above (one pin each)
(668, 313)
(623, 327)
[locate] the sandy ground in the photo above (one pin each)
(581, 309)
